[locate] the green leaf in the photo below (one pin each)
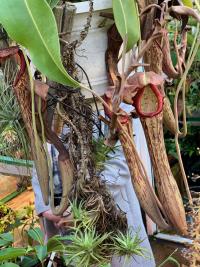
(174, 261)
(37, 235)
(33, 25)
(127, 21)
(41, 252)
(6, 239)
(11, 253)
(188, 3)
(29, 262)
(9, 264)
(54, 245)
(52, 3)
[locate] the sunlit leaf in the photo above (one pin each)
(188, 3)
(33, 25)
(9, 264)
(127, 21)
(36, 234)
(11, 253)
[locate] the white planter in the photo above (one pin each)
(91, 54)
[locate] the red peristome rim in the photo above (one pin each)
(138, 98)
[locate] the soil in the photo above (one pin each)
(163, 249)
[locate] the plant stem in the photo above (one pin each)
(168, 259)
(197, 4)
(182, 83)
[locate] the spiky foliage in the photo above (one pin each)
(99, 203)
(102, 153)
(13, 137)
(87, 248)
(128, 245)
(82, 218)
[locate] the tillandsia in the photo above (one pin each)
(86, 246)
(13, 140)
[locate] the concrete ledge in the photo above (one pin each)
(15, 166)
(174, 238)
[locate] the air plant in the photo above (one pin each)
(87, 248)
(128, 245)
(81, 217)
(13, 137)
(102, 153)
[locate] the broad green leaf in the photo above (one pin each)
(127, 21)
(54, 245)
(6, 239)
(41, 252)
(52, 3)
(9, 264)
(11, 253)
(37, 235)
(7, 236)
(4, 243)
(188, 3)
(31, 23)
(29, 262)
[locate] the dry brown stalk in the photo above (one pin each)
(153, 127)
(24, 99)
(168, 116)
(168, 191)
(144, 191)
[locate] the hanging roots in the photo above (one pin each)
(88, 188)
